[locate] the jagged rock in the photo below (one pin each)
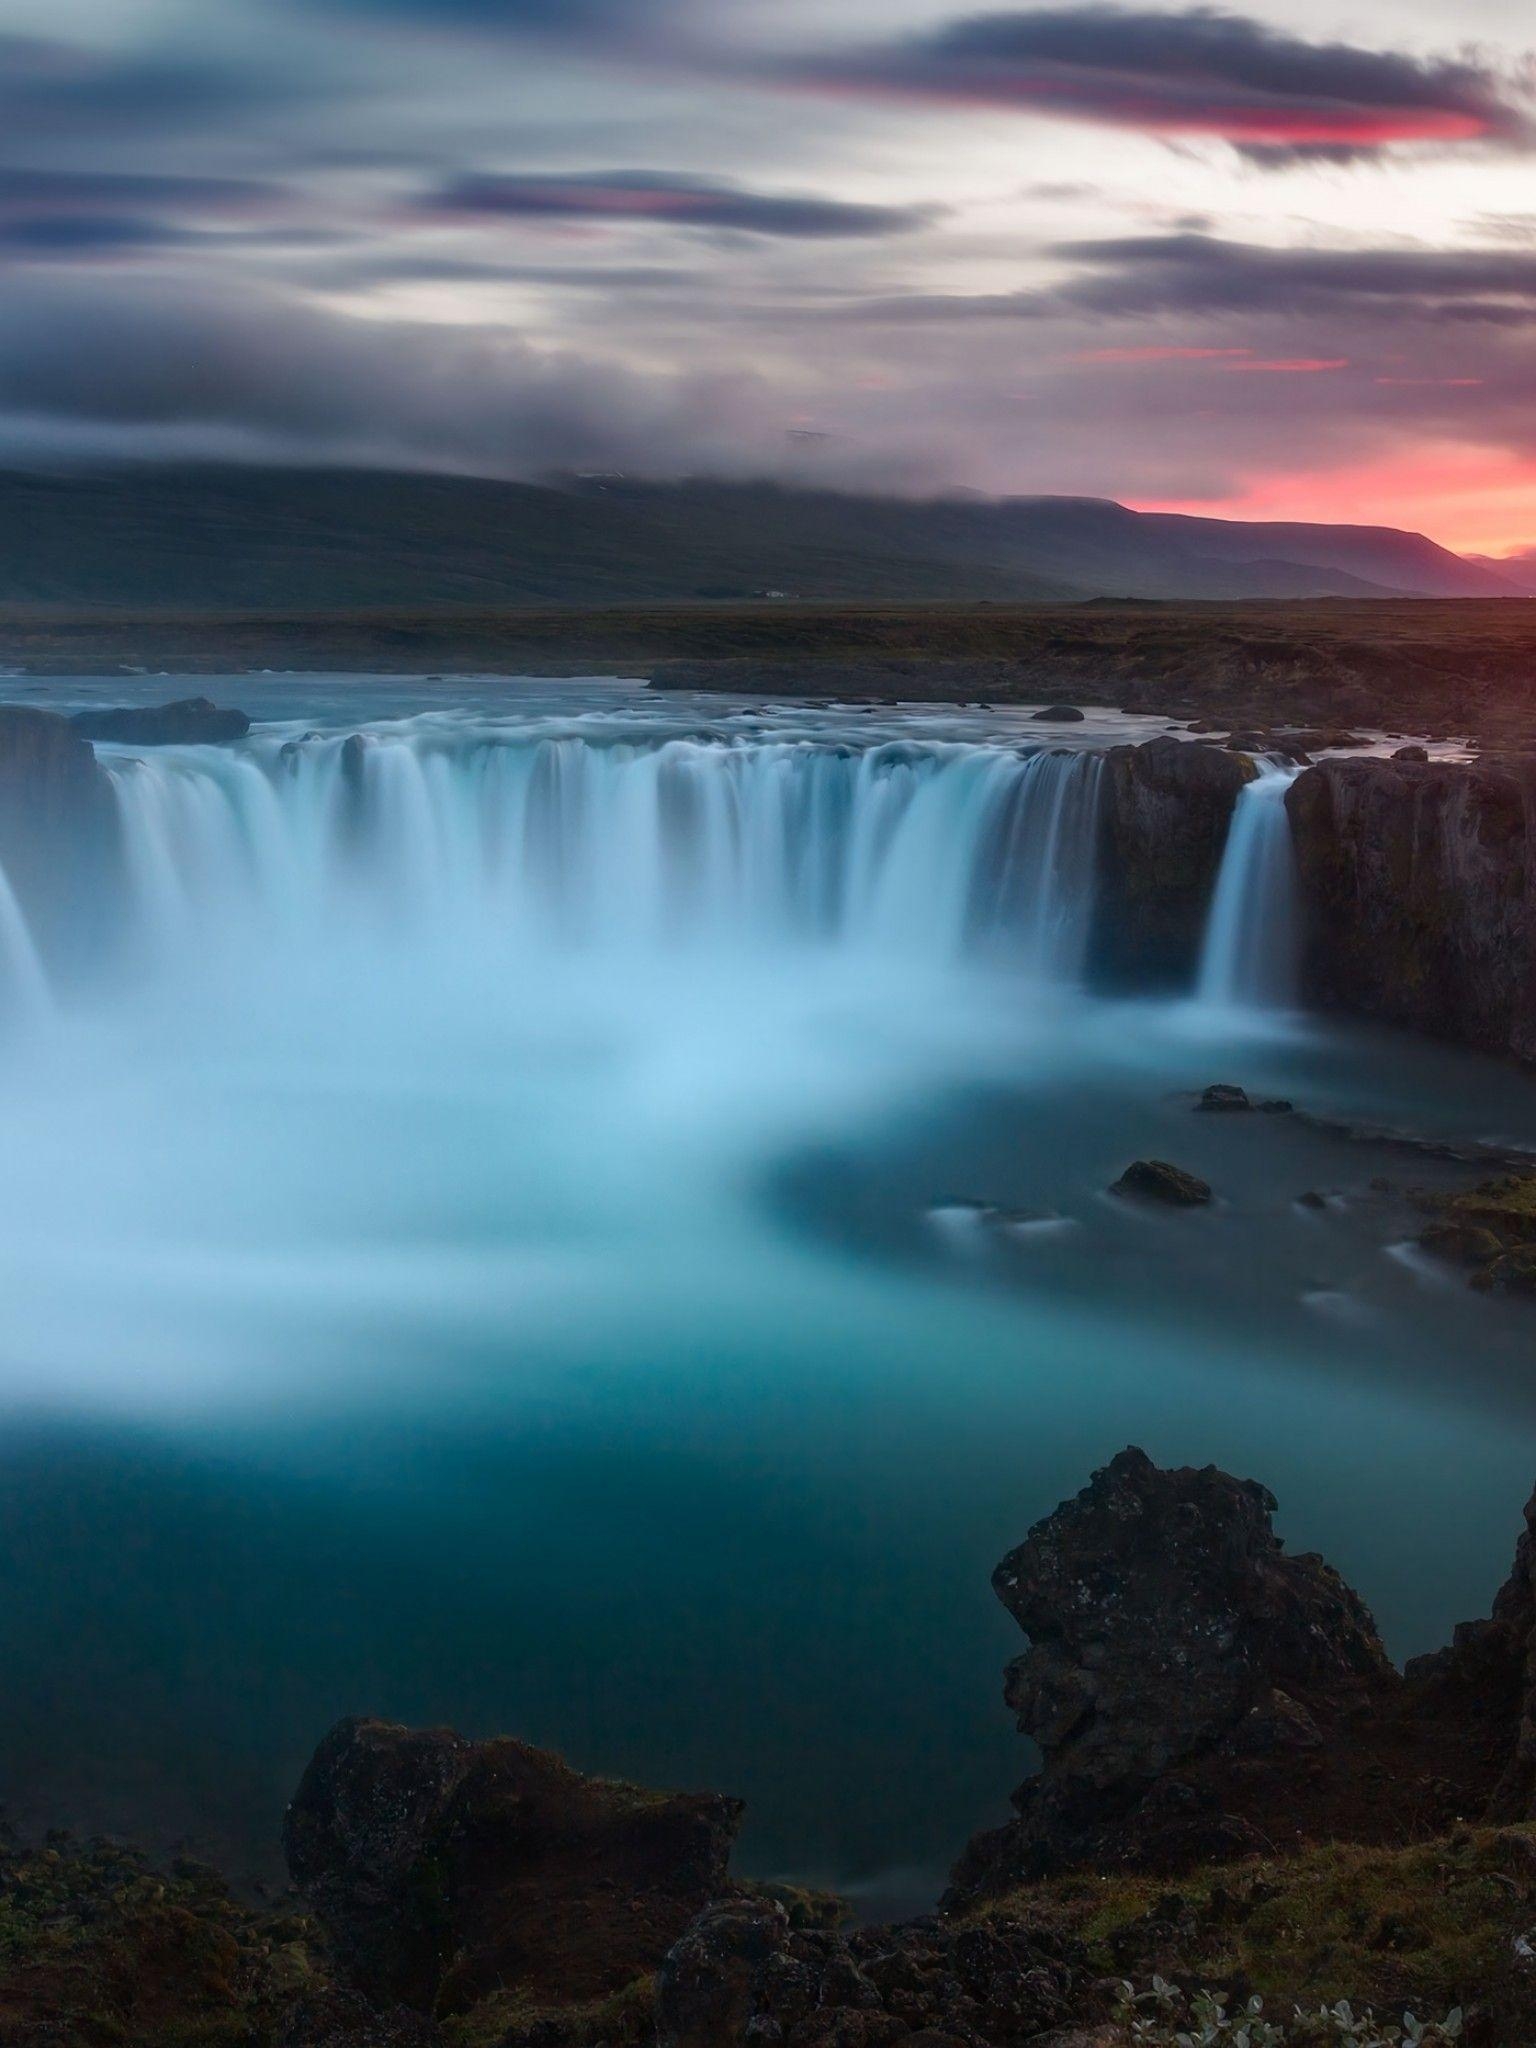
(444, 1869)
(741, 1976)
(1419, 886)
(1168, 806)
(190, 721)
(58, 826)
(1168, 1630)
(1155, 1180)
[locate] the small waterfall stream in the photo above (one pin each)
(1249, 960)
(24, 990)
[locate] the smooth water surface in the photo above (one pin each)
(585, 1217)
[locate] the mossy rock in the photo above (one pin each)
(1423, 1928)
(1504, 1207)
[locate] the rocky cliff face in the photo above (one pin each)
(58, 826)
(1168, 807)
(1419, 881)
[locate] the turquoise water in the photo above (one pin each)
(586, 1327)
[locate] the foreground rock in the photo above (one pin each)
(1419, 881)
(188, 722)
(1155, 1180)
(1168, 1630)
(1168, 807)
(444, 1870)
(740, 1977)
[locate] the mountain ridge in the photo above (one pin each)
(226, 536)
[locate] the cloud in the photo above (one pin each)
(51, 89)
(1204, 72)
(670, 197)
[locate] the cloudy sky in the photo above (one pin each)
(1278, 263)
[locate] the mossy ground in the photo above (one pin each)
(1425, 1928)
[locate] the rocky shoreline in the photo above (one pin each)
(1236, 1788)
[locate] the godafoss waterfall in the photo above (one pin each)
(551, 1209)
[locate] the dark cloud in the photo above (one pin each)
(1201, 273)
(1201, 72)
(1137, 276)
(671, 197)
(555, 18)
(82, 215)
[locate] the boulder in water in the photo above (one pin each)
(1155, 1180)
(1222, 1098)
(444, 1870)
(189, 722)
(1411, 753)
(1059, 714)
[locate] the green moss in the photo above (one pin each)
(1427, 1927)
(624, 2020)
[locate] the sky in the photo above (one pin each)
(1269, 263)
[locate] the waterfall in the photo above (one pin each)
(1250, 954)
(472, 841)
(24, 989)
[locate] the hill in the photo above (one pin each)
(225, 537)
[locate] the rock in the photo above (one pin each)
(59, 842)
(1411, 754)
(190, 721)
(1223, 1098)
(1155, 1180)
(341, 2019)
(1167, 806)
(1170, 1636)
(1514, 1271)
(1463, 1243)
(1418, 883)
(1059, 714)
(742, 1976)
(444, 1869)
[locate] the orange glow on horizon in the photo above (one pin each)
(1478, 501)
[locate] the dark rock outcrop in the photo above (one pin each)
(1155, 1180)
(188, 722)
(740, 1976)
(443, 1869)
(1168, 807)
(1419, 881)
(58, 826)
(1176, 1651)
(1059, 714)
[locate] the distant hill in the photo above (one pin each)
(1518, 569)
(297, 540)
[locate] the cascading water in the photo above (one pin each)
(24, 991)
(1249, 960)
(475, 842)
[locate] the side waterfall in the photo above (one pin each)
(1249, 960)
(24, 990)
(479, 842)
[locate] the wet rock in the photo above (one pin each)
(1464, 1244)
(1170, 1638)
(1412, 753)
(1059, 714)
(189, 722)
(1418, 882)
(1223, 1098)
(1167, 807)
(741, 1976)
(1512, 1272)
(1155, 1180)
(341, 2019)
(444, 1869)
